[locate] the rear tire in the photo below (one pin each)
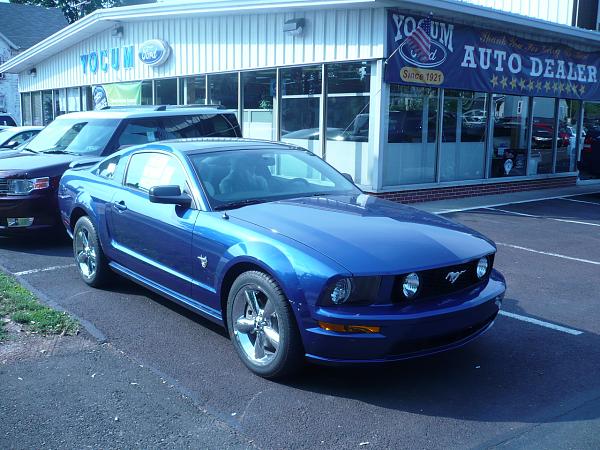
(90, 260)
(262, 326)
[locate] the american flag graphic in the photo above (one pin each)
(420, 41)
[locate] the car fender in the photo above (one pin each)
(298, 287)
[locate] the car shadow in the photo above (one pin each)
(516, 372)
(123, 286)
(55, 243)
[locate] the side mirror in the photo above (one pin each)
(169, 195)
(348, 177)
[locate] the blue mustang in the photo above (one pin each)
(284, 251)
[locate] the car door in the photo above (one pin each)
(153, 240)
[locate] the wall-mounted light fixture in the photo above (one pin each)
(294, 27)
(33, 72)
(117, 32)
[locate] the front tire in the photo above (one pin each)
(89, 257)
(262, 326)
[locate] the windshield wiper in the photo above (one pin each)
(59, 152)
(27, 149)
(239, 204)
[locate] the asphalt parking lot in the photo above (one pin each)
(533, 381)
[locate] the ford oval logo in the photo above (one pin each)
(154, 52)
(437, 55)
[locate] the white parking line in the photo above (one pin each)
(557, 255)
(541, 323)
(494, 205)
(45, 269)
(579, 201)
(578, 222)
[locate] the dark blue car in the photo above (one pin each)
(273, 243)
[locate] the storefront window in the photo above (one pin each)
(223, 90)
(47, 109)
(410, 156)
(147, 93)
(566, 147)
(36, 100)
(542, 136)
(509, 157)
(87, 100)
(260, 98)
(300, 107)
(60, 102)
(463, 135)
(588, 160)
(73, 100)
(348, 87)
(165, 92)
(195, 90)
(26, 108)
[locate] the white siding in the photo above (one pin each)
(223, 43)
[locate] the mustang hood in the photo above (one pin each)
(367, 235)
(27, 165)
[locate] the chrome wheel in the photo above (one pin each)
(85, 253)
(256, 325)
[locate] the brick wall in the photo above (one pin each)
(443, 193)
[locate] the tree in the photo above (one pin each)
(76, 9)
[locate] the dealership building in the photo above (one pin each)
(415, 99)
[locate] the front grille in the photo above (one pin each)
(436, 283)
(3, 186)
(431, 343)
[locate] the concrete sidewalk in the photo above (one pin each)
(446, 206)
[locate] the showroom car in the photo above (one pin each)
(29, 178)
(288, 254)
(11, 138)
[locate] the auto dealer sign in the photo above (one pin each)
(427, 51)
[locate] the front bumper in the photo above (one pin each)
(420, 330)
(42, 206)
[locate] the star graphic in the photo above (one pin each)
(531, 85)
(538, 85)
(561, 87)
(547, 86)
(522, 83)
(494, 80)
(568, 88)
(504, 82)
(555, 86)
(581, 89)
(513, 83)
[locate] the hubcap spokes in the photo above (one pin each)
(85, 253)
(256, 327)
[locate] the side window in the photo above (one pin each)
(204, 125)
(149, 169)
(108, 168)
(141, 131)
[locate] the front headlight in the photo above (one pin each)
(352, 290)
(18, 186)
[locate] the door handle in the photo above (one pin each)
(120, 206)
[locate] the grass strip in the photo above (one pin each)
(21, 306)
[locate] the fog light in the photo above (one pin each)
(482, 267)
(19, 221)
(410, 286)
(349, 328)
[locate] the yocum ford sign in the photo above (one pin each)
(426, 51)
(153, 52)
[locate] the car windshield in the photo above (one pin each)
(240, 177)
(76, 136)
